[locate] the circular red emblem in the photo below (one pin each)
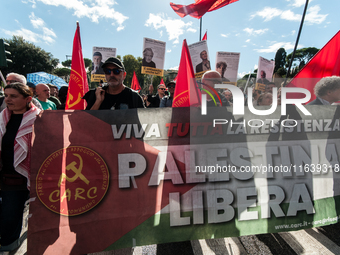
(72, 180)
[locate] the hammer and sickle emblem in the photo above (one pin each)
(76, 102)
(77, 171)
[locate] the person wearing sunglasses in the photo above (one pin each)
(156, 99)
(167, 100)
(114, 96)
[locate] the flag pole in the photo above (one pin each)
(200, 39)
(296, 43)
(245, 88)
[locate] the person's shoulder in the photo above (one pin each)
(89, 93)
(51, 102)
(137, 101)
(55, 100)
(128, 90)
(315, 102)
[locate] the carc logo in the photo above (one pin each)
(72, 181)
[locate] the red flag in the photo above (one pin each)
(204, 36)
(78, 79)
(162, 82)
(200, 7)
(186, 91)
(325, 63)
(135, 84)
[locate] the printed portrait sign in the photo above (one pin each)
(200, 58)
(153, 57)
(264, 73)
(99, 56)
(227, 65)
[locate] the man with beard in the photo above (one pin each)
(115, 96)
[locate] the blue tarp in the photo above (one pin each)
(42, 77)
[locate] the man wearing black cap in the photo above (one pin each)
(167, 100)
(115, 96)
(97, 63)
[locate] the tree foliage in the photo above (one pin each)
(281, 71)
(302, 56)
(280, 59)
(67, 63)
(87, 62)
(131, 64)
(28, 58)
(63, 73)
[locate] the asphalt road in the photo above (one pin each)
(321, 240)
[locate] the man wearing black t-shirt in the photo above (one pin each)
(115, 96)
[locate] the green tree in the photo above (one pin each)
(67, 63)
(252, 75)
(63, 72)
(131, 64)
(302, 56)
(87, 62)
(28, 58)
(281, 71)
(280, 59)
(241, 83)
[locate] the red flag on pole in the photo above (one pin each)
(186, 91)
(204, 36)
(78, 79)
(135, 84)
(325, 63)
(200, 7)
(162, 82)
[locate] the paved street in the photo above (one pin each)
(322, 240)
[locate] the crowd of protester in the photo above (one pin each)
(22, 101)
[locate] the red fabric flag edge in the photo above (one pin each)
(78, 85)
(135, 84)
(200, 7)
(205, 37)
(326, 62)
(186, 92)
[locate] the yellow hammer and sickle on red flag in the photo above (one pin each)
(77, 171)
(76, 102)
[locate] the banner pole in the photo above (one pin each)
(296, 43)
(245, 87)
(200, 39)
